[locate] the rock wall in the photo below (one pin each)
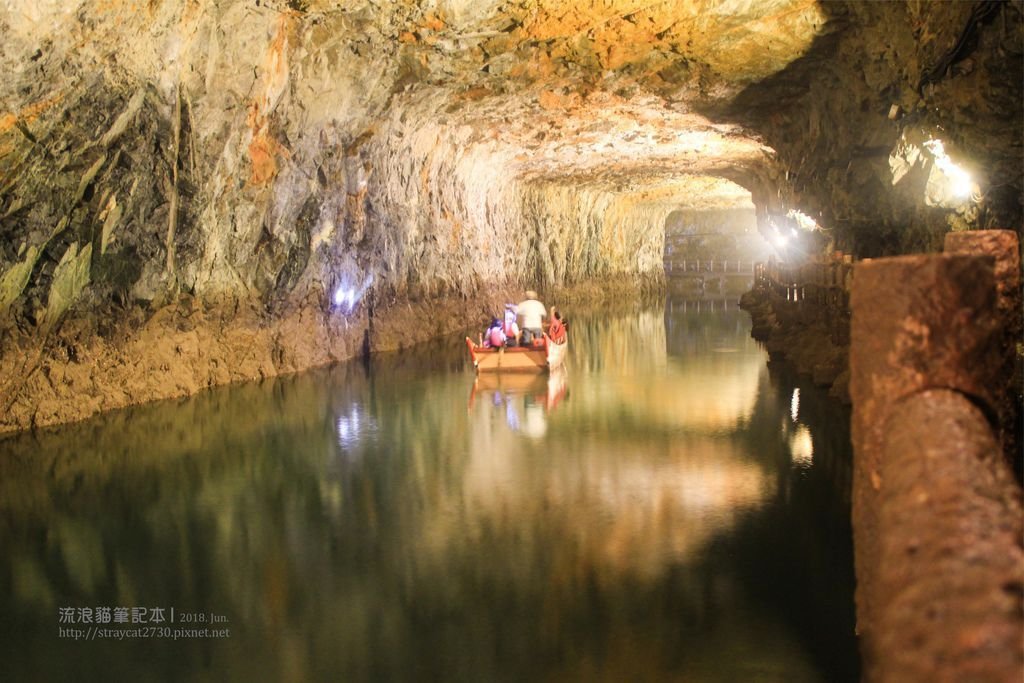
(240, 150)
(850, 120)
(214, 200)
(355, 165)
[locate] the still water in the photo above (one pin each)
(667, 508)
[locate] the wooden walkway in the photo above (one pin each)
(822, 282)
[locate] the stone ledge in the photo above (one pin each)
(805, 334)
(78, 370)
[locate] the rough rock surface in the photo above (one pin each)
(814, 337)
(270, 155)
(187, 346)
(850, 118)
(1004, 247)
(949, 574)
(198, 191)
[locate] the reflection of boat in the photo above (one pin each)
(547, 391)
(538, 358)
(513, 383)
(556, 387)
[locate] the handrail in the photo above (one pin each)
(823, 281)
(724, 266)
(928, 473)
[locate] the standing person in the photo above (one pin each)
(531, 314)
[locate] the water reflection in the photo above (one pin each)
(524, 398)
(652, 512)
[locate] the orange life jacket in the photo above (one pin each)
(557, 331)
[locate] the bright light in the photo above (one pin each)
(802, 219)
(959, 180)
(794, 404)
(346, 296)
(780, 239)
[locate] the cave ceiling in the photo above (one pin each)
(605, 93)
(798, 101)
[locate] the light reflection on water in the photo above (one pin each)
(653, 512)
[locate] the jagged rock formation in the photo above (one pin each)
(851, 118)
(311, 173)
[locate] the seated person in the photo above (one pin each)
(531, 314)
(494, 338)
(557, 329)
(510, 328)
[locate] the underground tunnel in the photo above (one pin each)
(245, 243)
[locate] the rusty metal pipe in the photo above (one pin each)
(949, 569)
(919, 323)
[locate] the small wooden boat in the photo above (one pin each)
(540, 357)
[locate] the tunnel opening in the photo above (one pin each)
(712, 242)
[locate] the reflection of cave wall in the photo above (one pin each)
(293, 483)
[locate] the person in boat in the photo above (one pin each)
(494, 337)
(531, 316)
(557, 330)
(510, 328)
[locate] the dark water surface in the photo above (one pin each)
(668, 508)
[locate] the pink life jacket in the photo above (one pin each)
(496, 337)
